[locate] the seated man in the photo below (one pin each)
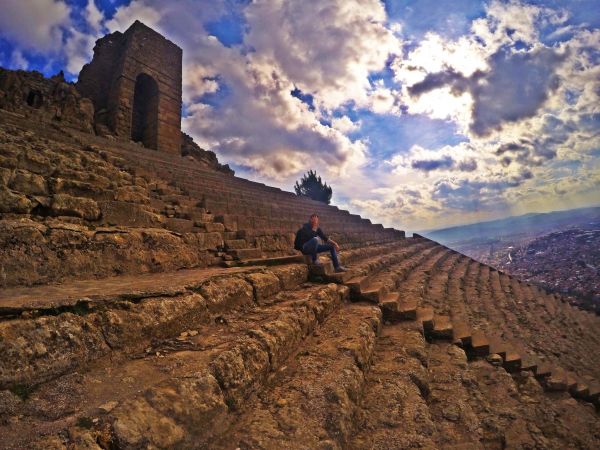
(307, 241)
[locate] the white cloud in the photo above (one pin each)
(325, 47)
(345, 125)
(136, 10)
(94, 17)
(509, 22)
(35, 26)
(78, 50)
(17, 60)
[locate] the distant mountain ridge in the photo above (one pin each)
(526, 223)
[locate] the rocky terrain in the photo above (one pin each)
(150, 301)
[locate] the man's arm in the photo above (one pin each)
(326, 239)
(322, 235)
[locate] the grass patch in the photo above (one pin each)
(22, 391)
(85, 422)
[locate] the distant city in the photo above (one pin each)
(559, 251)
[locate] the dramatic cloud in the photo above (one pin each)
(432, 164)
(35, 26)
(326, 48)
(515, 87)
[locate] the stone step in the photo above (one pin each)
(342, 277)
(461, 331)
(557, 381)
(373, 293)
(358, 284)
(512, 360)
(407, 309)
(245, 253)
(528, 363)
(325, 268)
(480, 343)
(235, 244)
(275, 261)
(442, 327)
(425, 316)
(593, 394)
(497, 346)
(543, 370)
(323, 386)
(571, 382)
(389, 306)
(581, 391)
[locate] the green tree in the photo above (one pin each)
(313, 187)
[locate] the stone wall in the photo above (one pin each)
(69, 210)
(32, 96)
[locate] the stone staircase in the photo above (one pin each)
(368, 283)
(148, 342)
(268, 356)
(101, 208)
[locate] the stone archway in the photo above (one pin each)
(35, 99)
(144, 115)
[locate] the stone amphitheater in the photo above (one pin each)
(151, 299)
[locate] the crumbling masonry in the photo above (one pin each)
(134, 81)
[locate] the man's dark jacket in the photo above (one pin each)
(305, 234)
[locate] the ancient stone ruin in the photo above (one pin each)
(149, 301)
(134, 82)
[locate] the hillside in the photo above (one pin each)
(531, 224)
(558, 251)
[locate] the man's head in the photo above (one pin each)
(314, 220)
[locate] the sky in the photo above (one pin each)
(420, 114)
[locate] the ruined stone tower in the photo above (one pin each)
(134, 81)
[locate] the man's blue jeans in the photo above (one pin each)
(313, 247)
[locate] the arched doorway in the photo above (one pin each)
(144, 115)
(35, 98)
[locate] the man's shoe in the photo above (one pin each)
(341, 269)
(316, 263)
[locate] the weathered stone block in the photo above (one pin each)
(5, 176)
(28, 183)
(8, 162)
(11, 202)
(235, 244)
(264, 284)
(155, 317)
(239, 368)
(36, 163)
(127, 214)
(66, 205)
(291, 276)
(213, 240)
(225, 292)
(132, 194)
(78, 188)
(179, 225)
(198, 240)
